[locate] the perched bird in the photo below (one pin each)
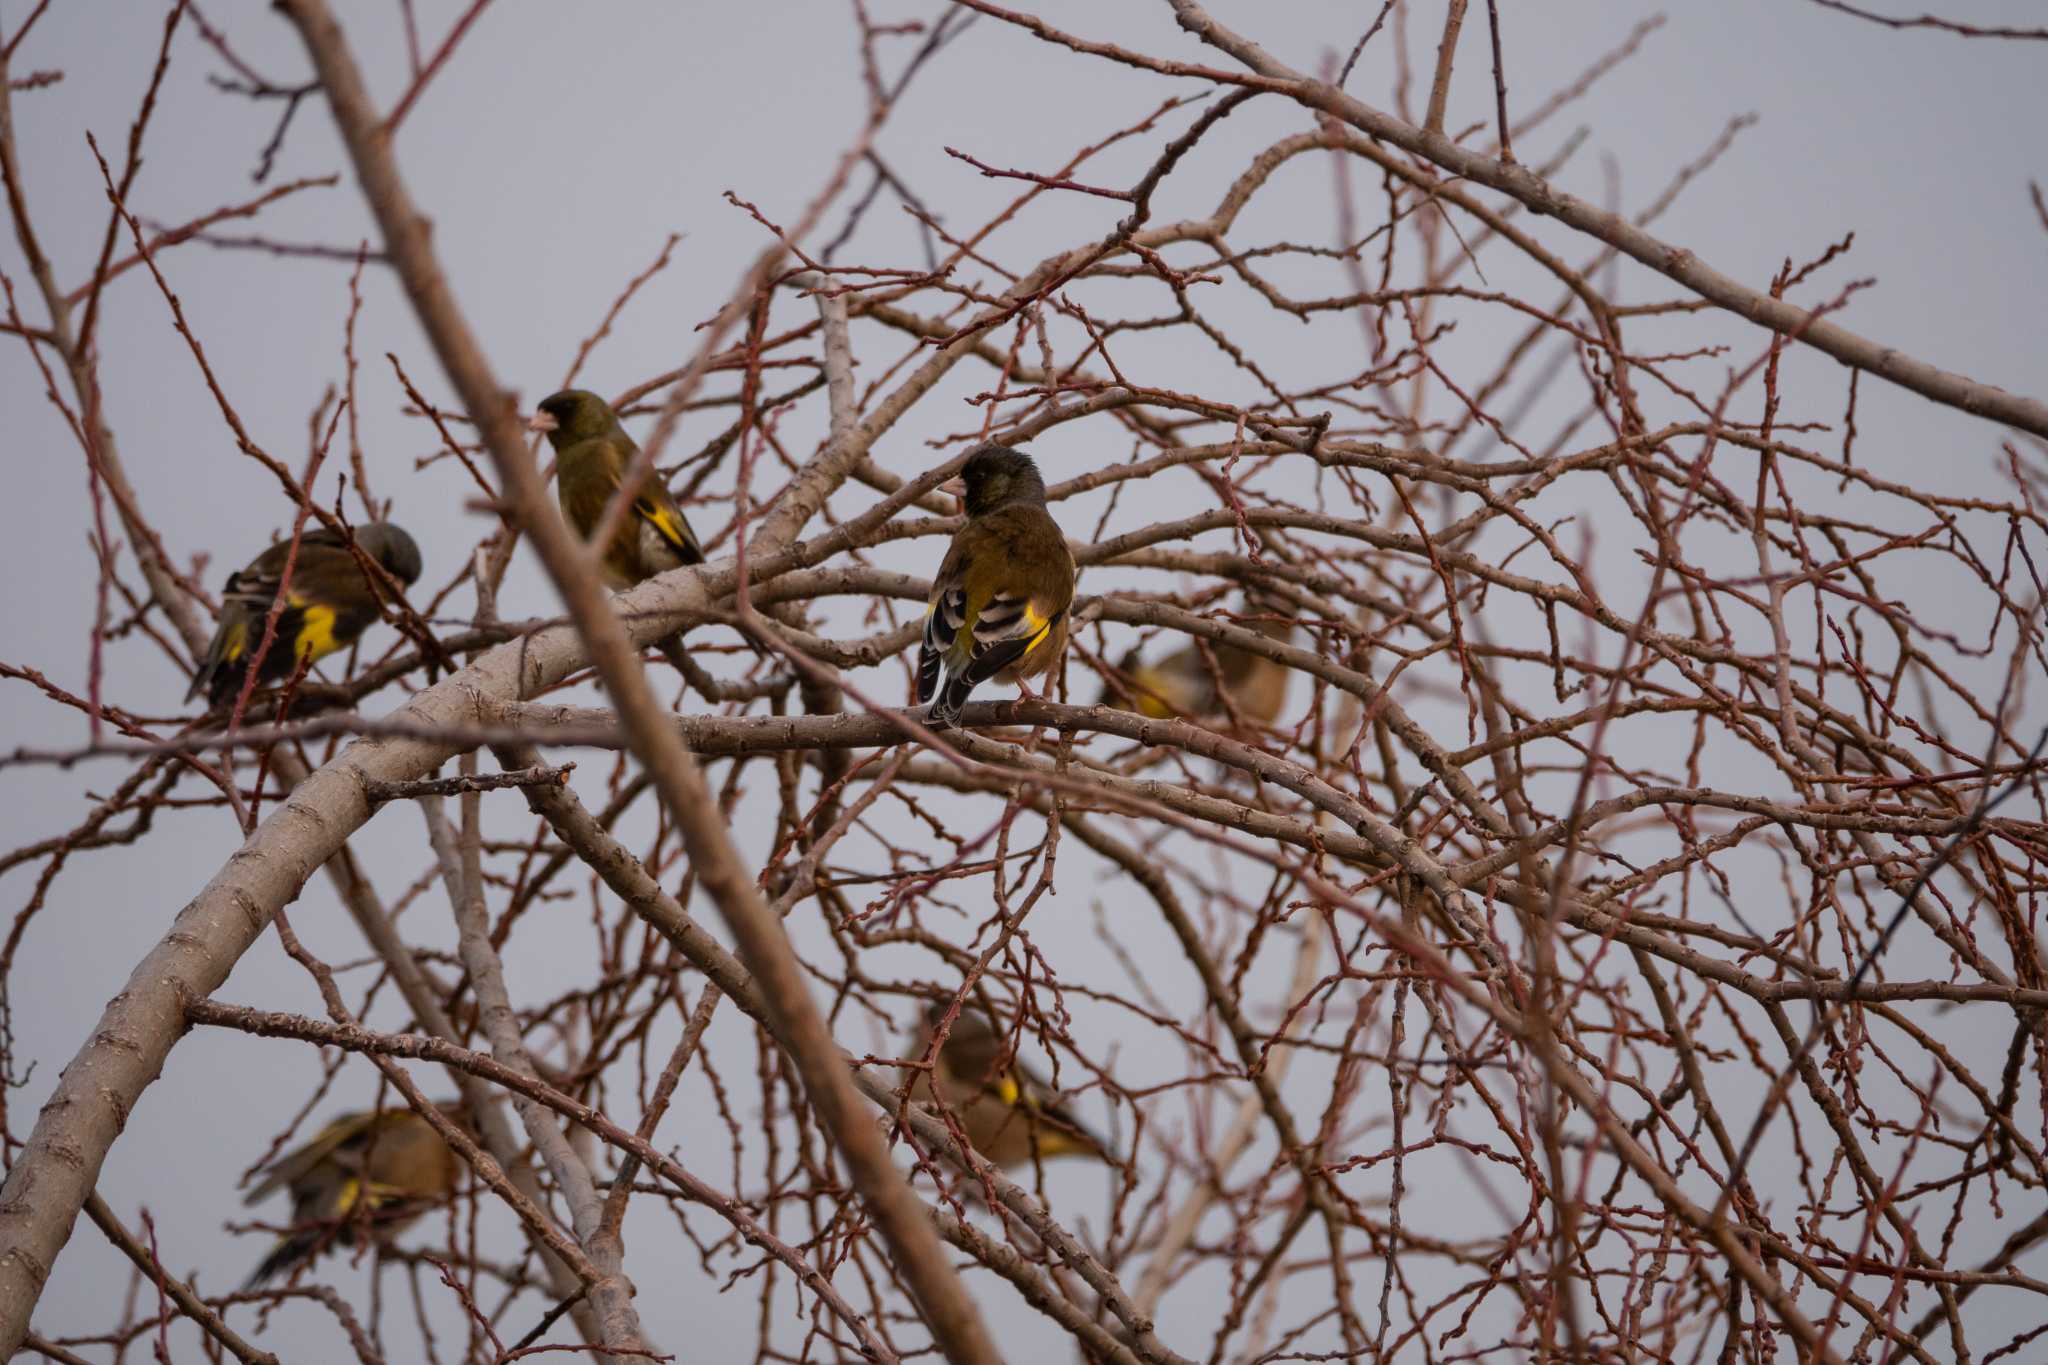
(1184, 684)
(998, 607)
(329, 603)
(384, 1167)
(592, 453)
(1007, 1112)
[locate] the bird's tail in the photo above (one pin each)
(227, 656)
(1058, 1133)
(945, 709)
(292, 1250)
(216, 673)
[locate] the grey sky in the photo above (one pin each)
(554, 156)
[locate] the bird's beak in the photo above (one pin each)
(955, 487)
(542, 421)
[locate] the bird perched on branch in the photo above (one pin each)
(383, 1168)
(328, 603)
(592, 454)
(998, 607)
(1008, 1113)
(1185, 684)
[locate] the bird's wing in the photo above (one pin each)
(1008, 626)
(657, 507)
(320, 1147)
(257, 584)
(1179, 684)
(945, 616)
(1001, 628)
(1058, 1128)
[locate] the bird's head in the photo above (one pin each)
(995, 476)
(388, 544)
(572, 415)
(969, 1022)
(972, 1045)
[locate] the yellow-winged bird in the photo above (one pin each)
(1007, 1112)
(998, 606)
(592, 454)
(382, 1167)
(1184, 684)
(328, 604)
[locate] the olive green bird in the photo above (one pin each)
(1009, 1114)
(592, 454)
(998, 606)
(381, 1168)
(328, 604)
(1185, 684)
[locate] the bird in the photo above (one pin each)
(383, 1166)
(328, 604)
(1009, 1114)
(592, 454)
(998, 606)
(1184, 684)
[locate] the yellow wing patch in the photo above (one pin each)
(1150, 690)
(234, 642)
(1006, 1089)
(1041, 626)
(1053, 1142)
(665, 522)
(316, 632)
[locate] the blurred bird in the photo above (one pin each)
(592, 454)
(1184, 684)
(385, 1166)
(998, 607)
(328, 605)
(1007, 1112)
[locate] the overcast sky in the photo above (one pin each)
(556, 154)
